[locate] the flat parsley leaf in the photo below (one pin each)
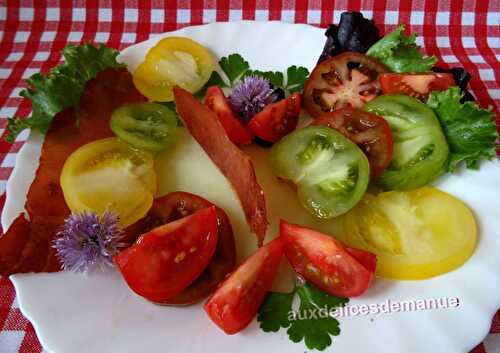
(62, 86)
(470, 130)
(401, 53)
(276, 312)
(237, 68)
(295, 78)
(234, 66)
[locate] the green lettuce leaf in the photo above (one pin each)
(62, 87)
(470, 130)
(400, 53)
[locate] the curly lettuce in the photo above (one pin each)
(471, 131)
(62, 87)
(400, 53)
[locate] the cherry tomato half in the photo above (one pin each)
(417, 85)
(166, 260)
(179, 204)
(277, 119)
(236, 302)
(326, 262)
(217, 102)
(369, 131)
(346, 80)
(146, 126)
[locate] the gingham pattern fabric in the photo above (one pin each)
(459, 32)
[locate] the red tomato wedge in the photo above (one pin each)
(169, 258)
(370, 132)
(277, 119)
(174, 206)
(326, 262)
(236, 302)
(417, 85)
(217, 102)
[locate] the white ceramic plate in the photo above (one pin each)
(72, 313)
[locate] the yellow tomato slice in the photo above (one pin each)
(108, 175)
(173, 61)
(416, 234)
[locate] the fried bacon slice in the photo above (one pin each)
(236, 166)
(27, 244)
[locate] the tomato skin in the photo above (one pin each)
(370, 132)
(218, 103)
(277, 119)
(417, 85)
(326, 262)
(236, 302)
(169, 258)
(333, 85)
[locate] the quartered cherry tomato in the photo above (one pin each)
(417, 85)
(416, 234)
(217, 102)
(236, 302)
(146, 126)
(370, 132)
(277, 119)
(108, 175)
(346, 80)
(326, 262)
(166, 260)
(173, 61)
(177, 205)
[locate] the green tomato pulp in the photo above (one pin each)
(146, 126)
(330, 171)
(420, 147)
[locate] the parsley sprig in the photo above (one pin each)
(277, 312)
(235, 67)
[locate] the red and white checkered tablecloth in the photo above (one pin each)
(32, 34)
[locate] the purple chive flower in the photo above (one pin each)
(250, 96)
(88, 241)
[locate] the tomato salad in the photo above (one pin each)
(377, 128)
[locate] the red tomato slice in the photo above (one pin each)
(169, 258)
(277, 119)
(415, 85)
(177, 205)
(236, 302)
(326, 262)
(345, 80)
(217, 102)
(370, 132)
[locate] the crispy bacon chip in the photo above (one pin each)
(232, 162)
(27, 244)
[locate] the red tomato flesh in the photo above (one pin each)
(277, 119)
(370, 132)
(326, 262)
(217, 102)
(169, 258)
(417, 85)
(177, 205)
(236, 302)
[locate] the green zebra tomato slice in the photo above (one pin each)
(330, 171)
(420, 148)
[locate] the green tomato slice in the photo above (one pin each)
(146, 126)
(420, 147)
(330, 171)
